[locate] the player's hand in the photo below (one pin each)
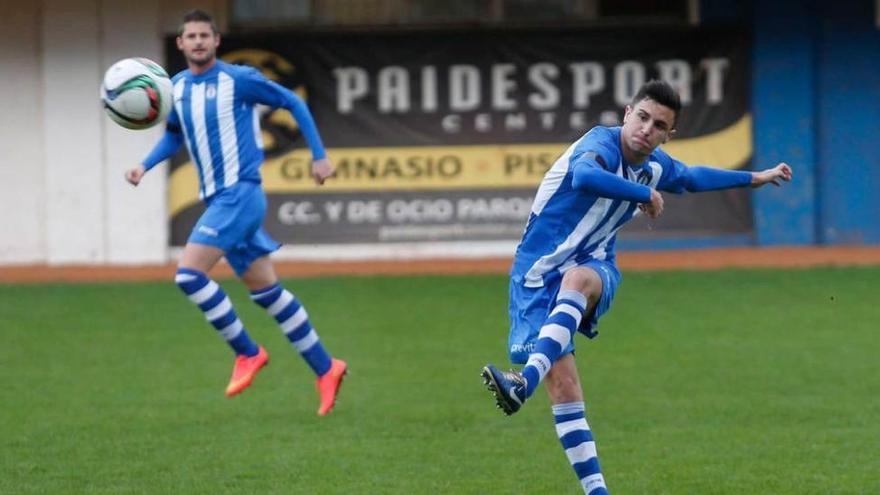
(322, 169)
(134, 175)
(781, 172)
(655, 207)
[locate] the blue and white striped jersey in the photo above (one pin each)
(215, 114)
(568, 226)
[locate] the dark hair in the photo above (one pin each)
(197, 16)
(661, 92)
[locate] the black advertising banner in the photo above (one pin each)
(445, 135)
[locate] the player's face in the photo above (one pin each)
(198, 42)
(646, 126)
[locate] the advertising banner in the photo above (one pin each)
(445, 135)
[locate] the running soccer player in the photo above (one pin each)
(564, 275)
(214, 114)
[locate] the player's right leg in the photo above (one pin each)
(192, 278)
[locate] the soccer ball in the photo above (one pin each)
(136, 93)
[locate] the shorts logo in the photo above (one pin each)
(528, 348)
(204, 229)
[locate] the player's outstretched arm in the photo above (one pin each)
(134, 175)
(781, 172)
(322, 169)
(164, 149)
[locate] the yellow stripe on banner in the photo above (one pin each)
(729, 148)
(423, 168)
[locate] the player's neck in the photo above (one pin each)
(631, 158)
(198, 69)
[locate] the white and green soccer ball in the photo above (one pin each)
(136, 93)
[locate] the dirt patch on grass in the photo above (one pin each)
(697, 259)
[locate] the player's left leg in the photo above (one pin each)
(564, 387)
(580, 289)
(262, 280)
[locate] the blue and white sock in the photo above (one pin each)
(294, 321)
(554, 337)
(218, 309)
(577, 440)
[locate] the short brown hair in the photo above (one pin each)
(662, 93)
(197, 15)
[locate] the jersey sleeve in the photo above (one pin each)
(678, 177)
(596, 149)
(594, 165)
(173, 121)
(255, 88)
(168, 145)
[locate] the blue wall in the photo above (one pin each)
(784, 111)
(848, 116)
(816, 106)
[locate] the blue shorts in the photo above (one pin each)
(530, 307)
(233, 222)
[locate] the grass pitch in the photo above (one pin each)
(700, 382)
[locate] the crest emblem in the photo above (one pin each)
(644, 176)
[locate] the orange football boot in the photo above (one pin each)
(328, 385)
(246, 368)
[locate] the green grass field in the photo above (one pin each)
(700, 383)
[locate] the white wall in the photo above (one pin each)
(72, 132)
(136, 220)
(22, 159)
(63, 199)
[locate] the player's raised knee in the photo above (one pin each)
(582, 279)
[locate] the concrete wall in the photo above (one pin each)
(62, 192)
(816, 104)
(22, 158)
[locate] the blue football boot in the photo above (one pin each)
(509, 388)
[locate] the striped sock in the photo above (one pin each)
(294, 321)
(554, 337)
(577, 440)
(217, 308)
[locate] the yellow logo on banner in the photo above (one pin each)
(499, 166)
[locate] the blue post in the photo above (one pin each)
(784, 103)
(849, 123)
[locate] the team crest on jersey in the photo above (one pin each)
(644, 175)
(211, 91)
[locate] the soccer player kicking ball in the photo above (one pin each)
(564, 275)
(214, 114)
